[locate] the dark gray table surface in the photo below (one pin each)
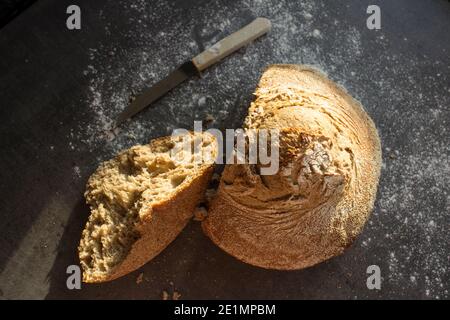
(59, 90)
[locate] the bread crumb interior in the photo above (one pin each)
(123, 190)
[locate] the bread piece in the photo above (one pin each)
(141, 200)
(324, 191)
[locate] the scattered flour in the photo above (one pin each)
(408, 231)
(316, 33)
(77, 172)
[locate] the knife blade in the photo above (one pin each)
(193, 67)
(163, 86)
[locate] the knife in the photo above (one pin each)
(221, 49)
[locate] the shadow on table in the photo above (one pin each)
(195, 268)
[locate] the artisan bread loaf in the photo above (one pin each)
(141, 200)
(321, 196)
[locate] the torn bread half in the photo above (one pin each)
(141, 200)
(321, 196)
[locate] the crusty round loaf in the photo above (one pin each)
(319, 200)
(141, 200)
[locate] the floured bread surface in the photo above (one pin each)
(329, 166)
(141, 200)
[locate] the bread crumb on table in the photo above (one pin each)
(176, 295)
(140, 278)
(200, 214)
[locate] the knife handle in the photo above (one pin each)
(233, 42)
